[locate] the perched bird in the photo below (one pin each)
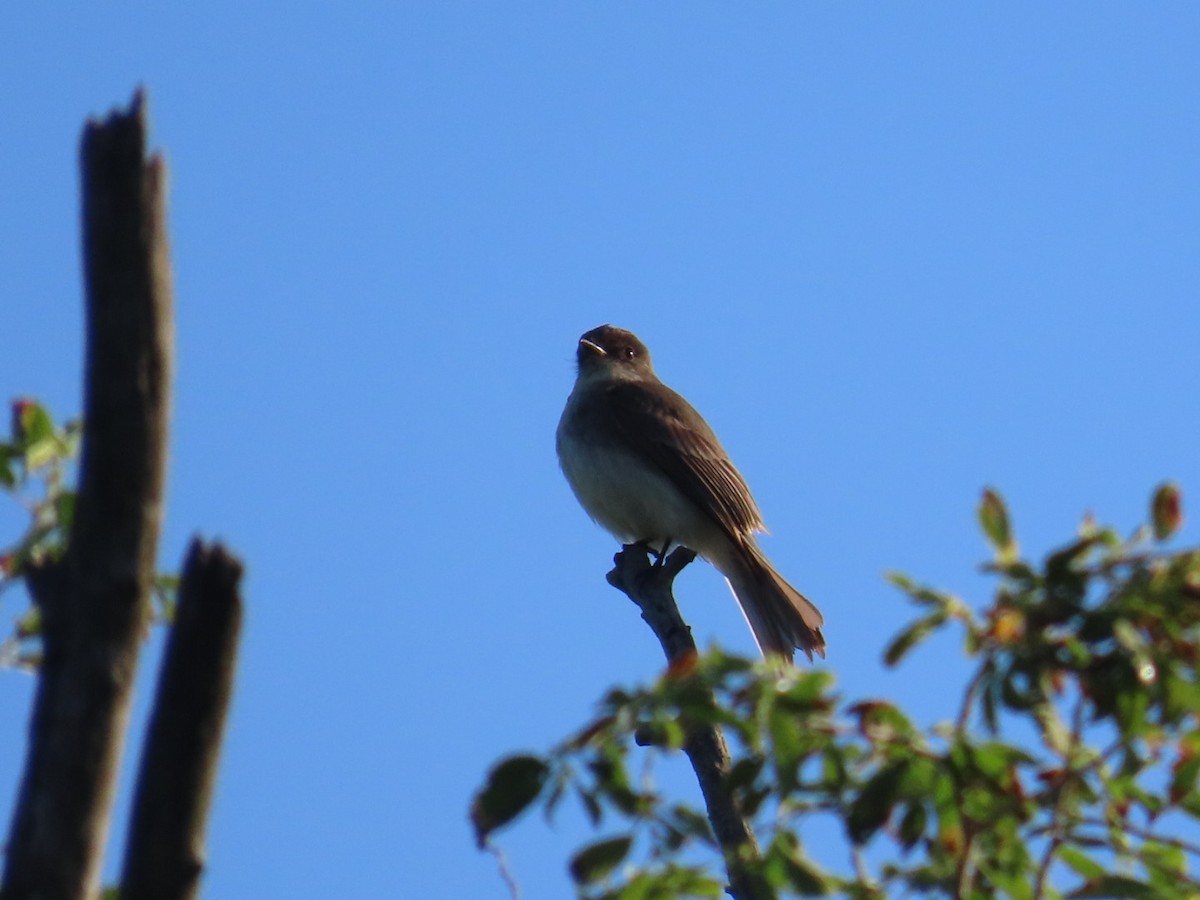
(646, 466)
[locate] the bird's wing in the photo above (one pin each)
(661, 427)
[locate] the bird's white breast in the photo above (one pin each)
(630, 498)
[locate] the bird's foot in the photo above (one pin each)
(660, 556)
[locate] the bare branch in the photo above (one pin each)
(650, 587)
(165, 853)
(99, 607)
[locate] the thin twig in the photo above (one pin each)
(966, 871)
(506, 875)
(1145, 834)
(860, 867)
(1059, 831)
(964, 714)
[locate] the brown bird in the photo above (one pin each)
(646, 466)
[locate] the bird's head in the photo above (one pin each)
(610, 352)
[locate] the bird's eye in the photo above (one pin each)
(630, 353)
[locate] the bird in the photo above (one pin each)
(648, 468)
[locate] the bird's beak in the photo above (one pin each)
(595, 348)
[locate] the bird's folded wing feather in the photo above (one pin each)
(661, 427)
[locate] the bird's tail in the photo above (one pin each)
(780, 617)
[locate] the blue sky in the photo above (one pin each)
(893, 254)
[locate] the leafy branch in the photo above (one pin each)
(1093, 651)
(38, 466)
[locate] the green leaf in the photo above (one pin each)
(989, 697)
(1080, 862)
(667, 734)
(1183, 779)
(30, 624)
(744, 772)
(993, 518)
(785, 863)
(512, 785)
(33, 432)
(39, 453)
(591, 806)
(808, 690)
(64, 508)
(1055, 733)
(1169, 863)
(1166, 511)
(833, 768)
(788, 741)
(612, 780)
(881, 721)
(912, 826)
(996, 760)
(668, 884)
(1062, 559)
(920, 594)
(556, 793)
(7, 456)
(1107, 887)
(690, 824)
(596, 860)
(1129, 637)
(871, 809)
(31, 423)
(907, 639)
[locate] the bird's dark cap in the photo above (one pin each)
(616, 344)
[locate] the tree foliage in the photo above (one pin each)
(1069, 770)
(37, 470)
